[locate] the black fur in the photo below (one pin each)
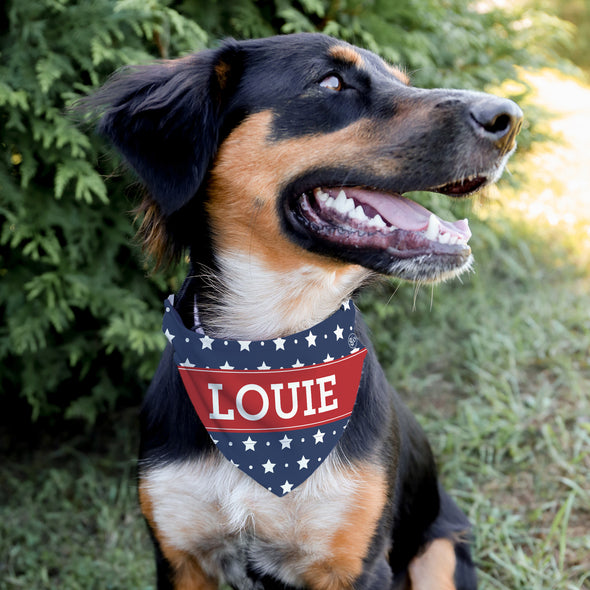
(177, 104)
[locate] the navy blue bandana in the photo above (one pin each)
(274, 408)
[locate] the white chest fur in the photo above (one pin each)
(211, 510)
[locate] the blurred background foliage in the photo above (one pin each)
(81, 313)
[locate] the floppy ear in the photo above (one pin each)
(165, 120)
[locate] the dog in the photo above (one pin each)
(280, 166)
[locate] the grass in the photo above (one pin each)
(497, 368)
(69, 515)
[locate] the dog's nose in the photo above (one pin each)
(497, 119)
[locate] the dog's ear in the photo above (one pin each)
(165, 120)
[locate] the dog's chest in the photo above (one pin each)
(211, 510)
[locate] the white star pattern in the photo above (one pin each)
(319, 436)
(269, 467)
(279, 343)
(206, 342)
(254, 447)
(310, 339)
(346, 305)
(303, 462)
(249, 444)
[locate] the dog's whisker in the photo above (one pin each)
(417, 286)
(393, 293)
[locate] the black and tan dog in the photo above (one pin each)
(279, 165)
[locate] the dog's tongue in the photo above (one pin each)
(406, 214)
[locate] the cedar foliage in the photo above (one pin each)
(81, 320)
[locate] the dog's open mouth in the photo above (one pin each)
(385, 231)
(365, 218)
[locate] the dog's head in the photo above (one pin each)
(296, 151)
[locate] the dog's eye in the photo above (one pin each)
(332, 82)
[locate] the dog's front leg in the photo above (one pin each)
(176, 569)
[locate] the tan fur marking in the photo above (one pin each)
(152, 232)
(435, 568)
(247, 177)
(188, 574)
(222, 70)
(347, 54)
(399, 74)
(350, 543)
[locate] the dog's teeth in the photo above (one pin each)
(349, 205)
(453, 240)
(433, 228)
(358, 213)
(340, 200)
(353, 214)
(342, 203)
(444, 238)
(321, 195)
(330, 202)
(377, 221)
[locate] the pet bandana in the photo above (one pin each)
(274, 408)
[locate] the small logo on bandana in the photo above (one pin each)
(274, 408)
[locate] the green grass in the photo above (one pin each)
(69, 515)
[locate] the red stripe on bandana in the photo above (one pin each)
(274, 400)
